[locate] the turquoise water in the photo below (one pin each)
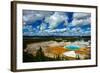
(72, 47)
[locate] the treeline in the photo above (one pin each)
(30, 39)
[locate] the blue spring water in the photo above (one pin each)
(72, 47)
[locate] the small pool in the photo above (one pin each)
(72, 47)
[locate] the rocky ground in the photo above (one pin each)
(54, 49)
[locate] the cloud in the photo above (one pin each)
(66, 23)
(87, 32)
(81, 19)
(28, 19)
(76, 29)
(81, 15)
(30, 16)
(50, 17)
(27, 28)
(55, 23)
(55, 19)
(43, 26)
(76, 22)
(56, 30)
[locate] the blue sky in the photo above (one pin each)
(56, 23)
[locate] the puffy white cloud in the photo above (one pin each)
(55, 19)
(52, 20)
(81, 19)
(31, 18)
(78, 29)
(43, 26)
(81, 15)
(66, 23)
(31, 15)
(56, 30)
(28, 30)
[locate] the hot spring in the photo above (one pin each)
(72, 47)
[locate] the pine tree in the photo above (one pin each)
(40, 55)
(77, 57)
(58, 58)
